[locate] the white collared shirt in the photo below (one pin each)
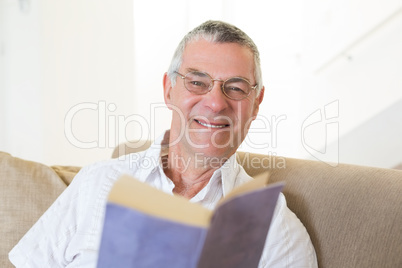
(69, 232)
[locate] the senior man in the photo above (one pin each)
(213, 88)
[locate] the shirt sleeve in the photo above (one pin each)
(49, 242)
(288, 243)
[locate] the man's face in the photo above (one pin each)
(212, 124)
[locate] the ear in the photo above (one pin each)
(167, 87)
(258, 101)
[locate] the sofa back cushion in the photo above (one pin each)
(352, 213)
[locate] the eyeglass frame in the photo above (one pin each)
(211, 85)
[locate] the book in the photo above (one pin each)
(145, 227)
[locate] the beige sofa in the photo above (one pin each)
(352, 213)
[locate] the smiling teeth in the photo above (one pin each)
(211, 126)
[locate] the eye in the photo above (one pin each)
(196, 83)
(234, 89)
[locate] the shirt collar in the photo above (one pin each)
(229, 172)
(151, 158)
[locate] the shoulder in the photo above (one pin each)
(111, 169)
(99, 177)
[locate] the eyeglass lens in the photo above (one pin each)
(200, 83)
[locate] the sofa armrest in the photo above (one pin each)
(27, 189)
(352, 213)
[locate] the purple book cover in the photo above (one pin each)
(238, 230)
(134, 239)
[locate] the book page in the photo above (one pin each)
(138, 195)
(259, 181)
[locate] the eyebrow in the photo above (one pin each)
(193, 70)
(196, 70)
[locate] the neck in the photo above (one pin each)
(190, 171)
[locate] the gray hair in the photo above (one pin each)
(216, 32)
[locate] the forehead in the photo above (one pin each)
(220, 60)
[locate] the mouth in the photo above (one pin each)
(211, 125)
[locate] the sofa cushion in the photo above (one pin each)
(27, 189)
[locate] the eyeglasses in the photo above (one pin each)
(200, 83)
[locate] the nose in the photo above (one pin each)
(215, 99)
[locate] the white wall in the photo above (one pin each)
(375, 142)
(359, 67)
(88, 58)
(2, 77)
(62, 55)
(97, 62)
(21, 91)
